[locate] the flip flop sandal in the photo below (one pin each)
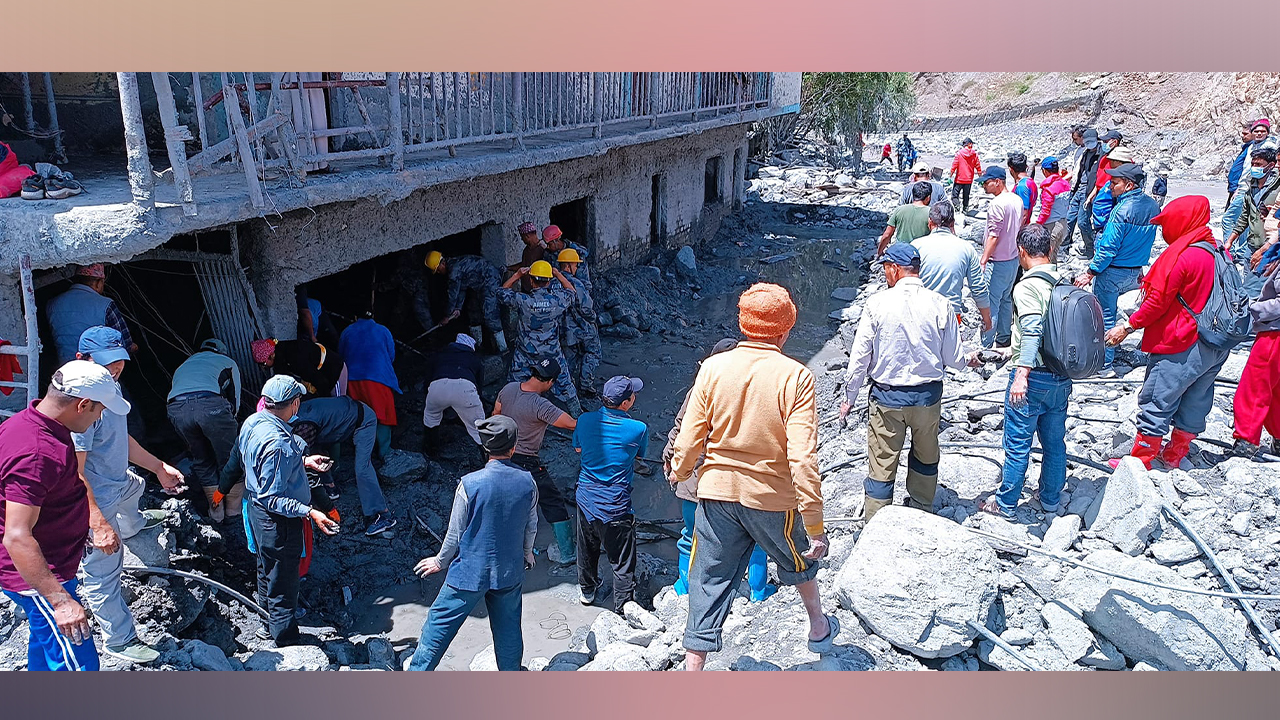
(553, 621)
(561, 633)
(824, 645)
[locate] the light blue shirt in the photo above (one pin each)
(203, 372)
(946, 263)
(274, 475)
(106, 461)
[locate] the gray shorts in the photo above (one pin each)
(724, 535)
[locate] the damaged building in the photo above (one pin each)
(216, 195)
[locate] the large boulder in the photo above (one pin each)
(686, 264)
(207, 657)
(1173, 630)
(293, 657)
(618, 656)
(1127, 511)
(918, 580)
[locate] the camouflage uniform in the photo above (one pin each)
(579, 335)
(472, 272)
(583, 272)
(539, 321)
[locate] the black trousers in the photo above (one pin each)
(618, 538)
(280, 544)
(550, 500)
(957, 190)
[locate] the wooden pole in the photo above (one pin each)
(246, 147)
(60, 152)
(197, 94)
(395, 121)
(175, 137)
(27, 108)
(141, 182)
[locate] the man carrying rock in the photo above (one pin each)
(753, 410)
(104, 452)
(486, 551)
(44, 514)
(907, 338)
(947, 263)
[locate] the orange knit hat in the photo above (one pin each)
(766, 311)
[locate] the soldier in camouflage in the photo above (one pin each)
(540, 315)
(556, 243)
(474, 274)
(579, 336)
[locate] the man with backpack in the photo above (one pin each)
(1123, 249)
(1181, 366)
(1037, 400)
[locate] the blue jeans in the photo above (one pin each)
(1232, 215)
(1108, 286)
(451, 608)
(1073, 216)
(1044, 413)
(757, 568)
(1001, 275)
(47, 648)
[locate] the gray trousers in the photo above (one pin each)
(207, 425)
(371, 500)
(101, 572)
(1178, 389)
(724, 536)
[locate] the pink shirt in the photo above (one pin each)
(1004, 219)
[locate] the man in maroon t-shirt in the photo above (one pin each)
(44, 513)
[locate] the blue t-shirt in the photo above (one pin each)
(610, 440)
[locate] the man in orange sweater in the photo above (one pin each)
(753, 410)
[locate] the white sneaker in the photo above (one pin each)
(586, 599)
(1107, 373)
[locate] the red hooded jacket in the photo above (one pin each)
(1187, 272)
(966, 165)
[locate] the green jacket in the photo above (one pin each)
(1251, 218)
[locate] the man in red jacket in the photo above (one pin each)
(1181, 368)
(963, 168)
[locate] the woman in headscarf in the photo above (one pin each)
(1257, 401)
(1178, 389)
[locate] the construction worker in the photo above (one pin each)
(523, 402)
(275, 467)
(454, 382)
(81, 307)
(540, 313)
(580, 337)
(556, 244)
(370, 352)
(319, 368)
(202, 406)
(485, 552)
(104, 452)
(45, 523)
(535, 249)
(471, 277)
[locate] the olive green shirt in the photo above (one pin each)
(909, 222)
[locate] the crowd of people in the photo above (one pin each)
(742, 455)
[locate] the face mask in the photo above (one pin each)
(1257, 172)
(293, 419)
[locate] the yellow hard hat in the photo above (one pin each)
(540, 270)
(433, 260)
(568, 255)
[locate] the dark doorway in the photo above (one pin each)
(658, 211)
(736, 182)
(575, 220)
(711, 184)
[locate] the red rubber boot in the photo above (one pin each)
(1145, 448)
(1177, 449)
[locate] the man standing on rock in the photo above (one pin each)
(753, 411)
(908, 222)
(1024, 186)
(275, 465)
(580, 338)
(486, 551)
(947, 263)
(104, 452)
(523, 402)
(963, 168)
(1000, 254)
(907, 338)
(44, 514)
(1037, 399)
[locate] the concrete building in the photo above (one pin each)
(344, 181)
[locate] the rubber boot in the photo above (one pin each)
(1145, 448)
(384, 442)
(564, 539)
(758, 576)
(431, 441)
(1179, 445)
(217, 513)
(871, 505)
(232, 504)
(500, 339)
(682, 582)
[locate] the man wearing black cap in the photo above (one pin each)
(963, 168)
(1084, 174)
(609, 441)
(524, 403)
(486, 551)
(907, 338)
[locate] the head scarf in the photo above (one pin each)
(1183, 221)
(465, 339)
(263, 349)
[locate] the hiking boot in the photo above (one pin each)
(33, 188)
(1275, 446)
(1245, 449)
(135, 651)
(382, 522)
(331, 492)
(62, 187)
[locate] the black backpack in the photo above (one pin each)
(1072, 343)
(1225, 321)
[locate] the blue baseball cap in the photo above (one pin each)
(214, 345)
(620, 387)
(103, 345)
(1050, 161)
(282, 389)
(993, 172)
(904, 254)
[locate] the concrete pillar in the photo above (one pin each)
(13, 329)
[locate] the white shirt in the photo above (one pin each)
(907, 336)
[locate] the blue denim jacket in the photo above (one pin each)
(1129, 235)
(1237, 168)
(274, 475)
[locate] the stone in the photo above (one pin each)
(919, 580)
(618, 656)
(485, 660)
(1144, 667)
(1240, 523)
(1127, 510)
(150, 547)
(686, 263)
(567, 661)
(1172, 552)
(1017, 637)
(207, 657)
(293, 657)
(642, 619)
(1062, 534)
(381, 654)
(844, 294)
(1104, 656)
(1066, 630)
(839, 363)
(1175, 630)
(403, 466)
(609, 628)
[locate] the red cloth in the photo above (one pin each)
(966, 165)
(1257, 401)
(377, 396)
(11, 175)
(308, 547)
(1169, 327)
(1104, 177)
(8, 367)
(887, 151)
(1050, 188)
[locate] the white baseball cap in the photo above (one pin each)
(90, 381)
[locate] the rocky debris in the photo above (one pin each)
(150, 547)
(403, 466)
(1127, 511)
(381, 653)
(1172, 552)
(484, 661)
(1179, 631)
(293, 657)
(165, 605)
(567, 661)
(918, 580)
(845, 294)
(610, 628)
(686, 265)
(1062, 534)
(207, 657)
(618, 656)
